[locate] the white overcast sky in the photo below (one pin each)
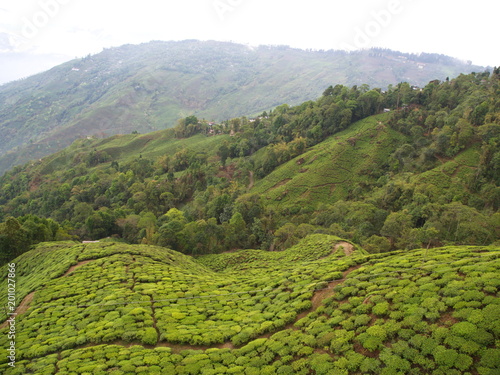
(74, 28)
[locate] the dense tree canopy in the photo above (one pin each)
(201, 201)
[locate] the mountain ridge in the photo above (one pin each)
(150, 86)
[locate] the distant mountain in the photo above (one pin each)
(150, 86)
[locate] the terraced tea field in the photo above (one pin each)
(320, 307)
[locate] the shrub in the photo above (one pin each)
(369, 365)
(463, 362)
(473, 295)
(482, 337)
(464, 329)
(151, 359)
(341, 341)
(394, 362)
(364, 308)
(377, 331)
(406, 333)
(444, 357)
(150, 336)
(491, 321)
(490, 359)
(285, 370)
(354, 360)
(362, 320)
(370, 343)
(322, 364)
(428, 345)
(440, 333)
(381, 308)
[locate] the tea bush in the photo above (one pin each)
(403, 312)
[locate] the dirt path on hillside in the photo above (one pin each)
(321, 294)
(317, 300)
(72, 268)
(251, 179)
(22, 308)
(346, 247)
(25, 303)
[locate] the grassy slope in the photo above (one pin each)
(325, 173)
(332, 169)
(413, 312)
(328, 171)
(125, 148)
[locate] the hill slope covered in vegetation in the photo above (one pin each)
(425, 174)
(320, 307)
(150, 86)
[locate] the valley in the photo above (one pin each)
(352, 232)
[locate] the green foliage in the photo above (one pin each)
(69, 101)
(321, 304)
(132, 293)
(420, 176)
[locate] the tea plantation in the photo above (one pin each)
(322, 306)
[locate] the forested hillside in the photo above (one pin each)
(150, 86)
(424, 174)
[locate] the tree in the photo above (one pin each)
(371, 102)
(101, 224)
(396, 226)
(237, 231)
(285, 237)
(462, 224)
(13, 239)
(422, 237)
(171, 226)
(129, 227)
(223, 153)
(377, 244)
(148, 223)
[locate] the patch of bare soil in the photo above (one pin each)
(251, 180)
(360, 349)
(346, 246)
(227, 172)
(447, 320)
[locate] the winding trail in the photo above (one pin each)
(22, 308)
(318, 297)
(251, 180)
(322, 294)
(25, 303)
(78, 265)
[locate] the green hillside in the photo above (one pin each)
(320, 307)
(425, 173)
(328, 171)
(150, 86)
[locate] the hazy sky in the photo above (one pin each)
(75, 28)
